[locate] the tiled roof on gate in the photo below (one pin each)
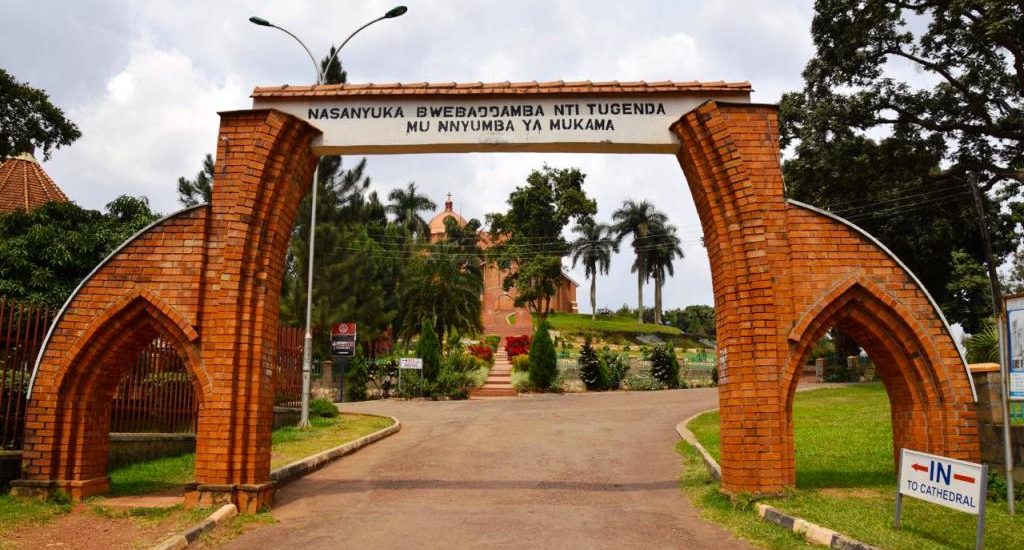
(510, 88)
(25, 185)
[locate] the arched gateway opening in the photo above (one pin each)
(208, 278)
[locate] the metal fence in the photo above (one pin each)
(22, 329)
(693, 367)
(156, 395)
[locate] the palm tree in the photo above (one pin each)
(662, 249)
(406, 205)
(594, 248)
(638, 219)
(438, 288)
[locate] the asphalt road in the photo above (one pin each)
(551, 471)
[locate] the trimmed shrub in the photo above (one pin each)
(322, 408)
(429, 349)
(357, 376)
(520, 363)
(642, 382)
(590, 367)
(492, 341)
(664, 366)
(517, 345)
(614, 367)
(543, 359)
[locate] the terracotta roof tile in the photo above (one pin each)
(24, 185)
(532, 87)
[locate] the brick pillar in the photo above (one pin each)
(730, 158)
(264, 168)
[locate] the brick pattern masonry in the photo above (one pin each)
(208, 280)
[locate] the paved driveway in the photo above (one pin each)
(550, 471)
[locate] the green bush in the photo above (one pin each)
(614, 367)
(429, 349)
(492, 340)
(322, 408)
(642, 382)
(357, 376)
(543, 360)
(520, 363)
(590, 367)
(664, 366)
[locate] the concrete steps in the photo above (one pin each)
(499, 380)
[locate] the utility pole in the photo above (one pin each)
(997, 312)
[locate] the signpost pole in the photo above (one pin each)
(980, 539)
(899, 494)
(1004, 370)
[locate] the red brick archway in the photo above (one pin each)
(209, 278)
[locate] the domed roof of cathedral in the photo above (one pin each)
(437, 223)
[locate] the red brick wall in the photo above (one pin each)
(214, 271)
(784, 274)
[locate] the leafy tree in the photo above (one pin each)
(590, 367)
(594, 248)
(406, 205)
(696, 319)
(662, 250)
(357, 376)
(1013, 283)
(543, 359)
(967, 291)
(983, 346)
(28, 121)
(200, 189)
(911, 187)
(428, 348)
(665, 366)
(529, 236)
(638, 219)
(442, 286)
(45, 253)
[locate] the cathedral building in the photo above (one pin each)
(500, 314)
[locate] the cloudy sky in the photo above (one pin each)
(144, 81)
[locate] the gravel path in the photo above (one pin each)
(549, 471)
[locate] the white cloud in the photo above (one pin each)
(154, 124)
(669, 57)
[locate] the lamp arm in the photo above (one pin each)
(316, 68)
(338, 50)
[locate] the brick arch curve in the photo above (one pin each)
(87, 382)
(783, 270)
(905, 356)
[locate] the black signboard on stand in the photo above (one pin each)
(343, 349)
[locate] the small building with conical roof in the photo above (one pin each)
(24, 185)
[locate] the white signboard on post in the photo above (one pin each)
(411, 363)
(1015, 326)
(944, 481)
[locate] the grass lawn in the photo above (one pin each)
(577, 322)
(846, 481)
(288, 444)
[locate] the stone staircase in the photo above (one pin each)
(499, 380)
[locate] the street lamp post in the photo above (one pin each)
(321, 74)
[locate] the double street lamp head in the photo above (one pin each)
(394, 12)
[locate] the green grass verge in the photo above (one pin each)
(846, 479)
(288, 444)
(576, 322)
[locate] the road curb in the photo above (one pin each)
(299, 468)
(811, 532)
(280, 476)
(192, 534)
(709, 461)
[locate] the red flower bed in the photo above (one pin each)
(517, 345)
(483, 352)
